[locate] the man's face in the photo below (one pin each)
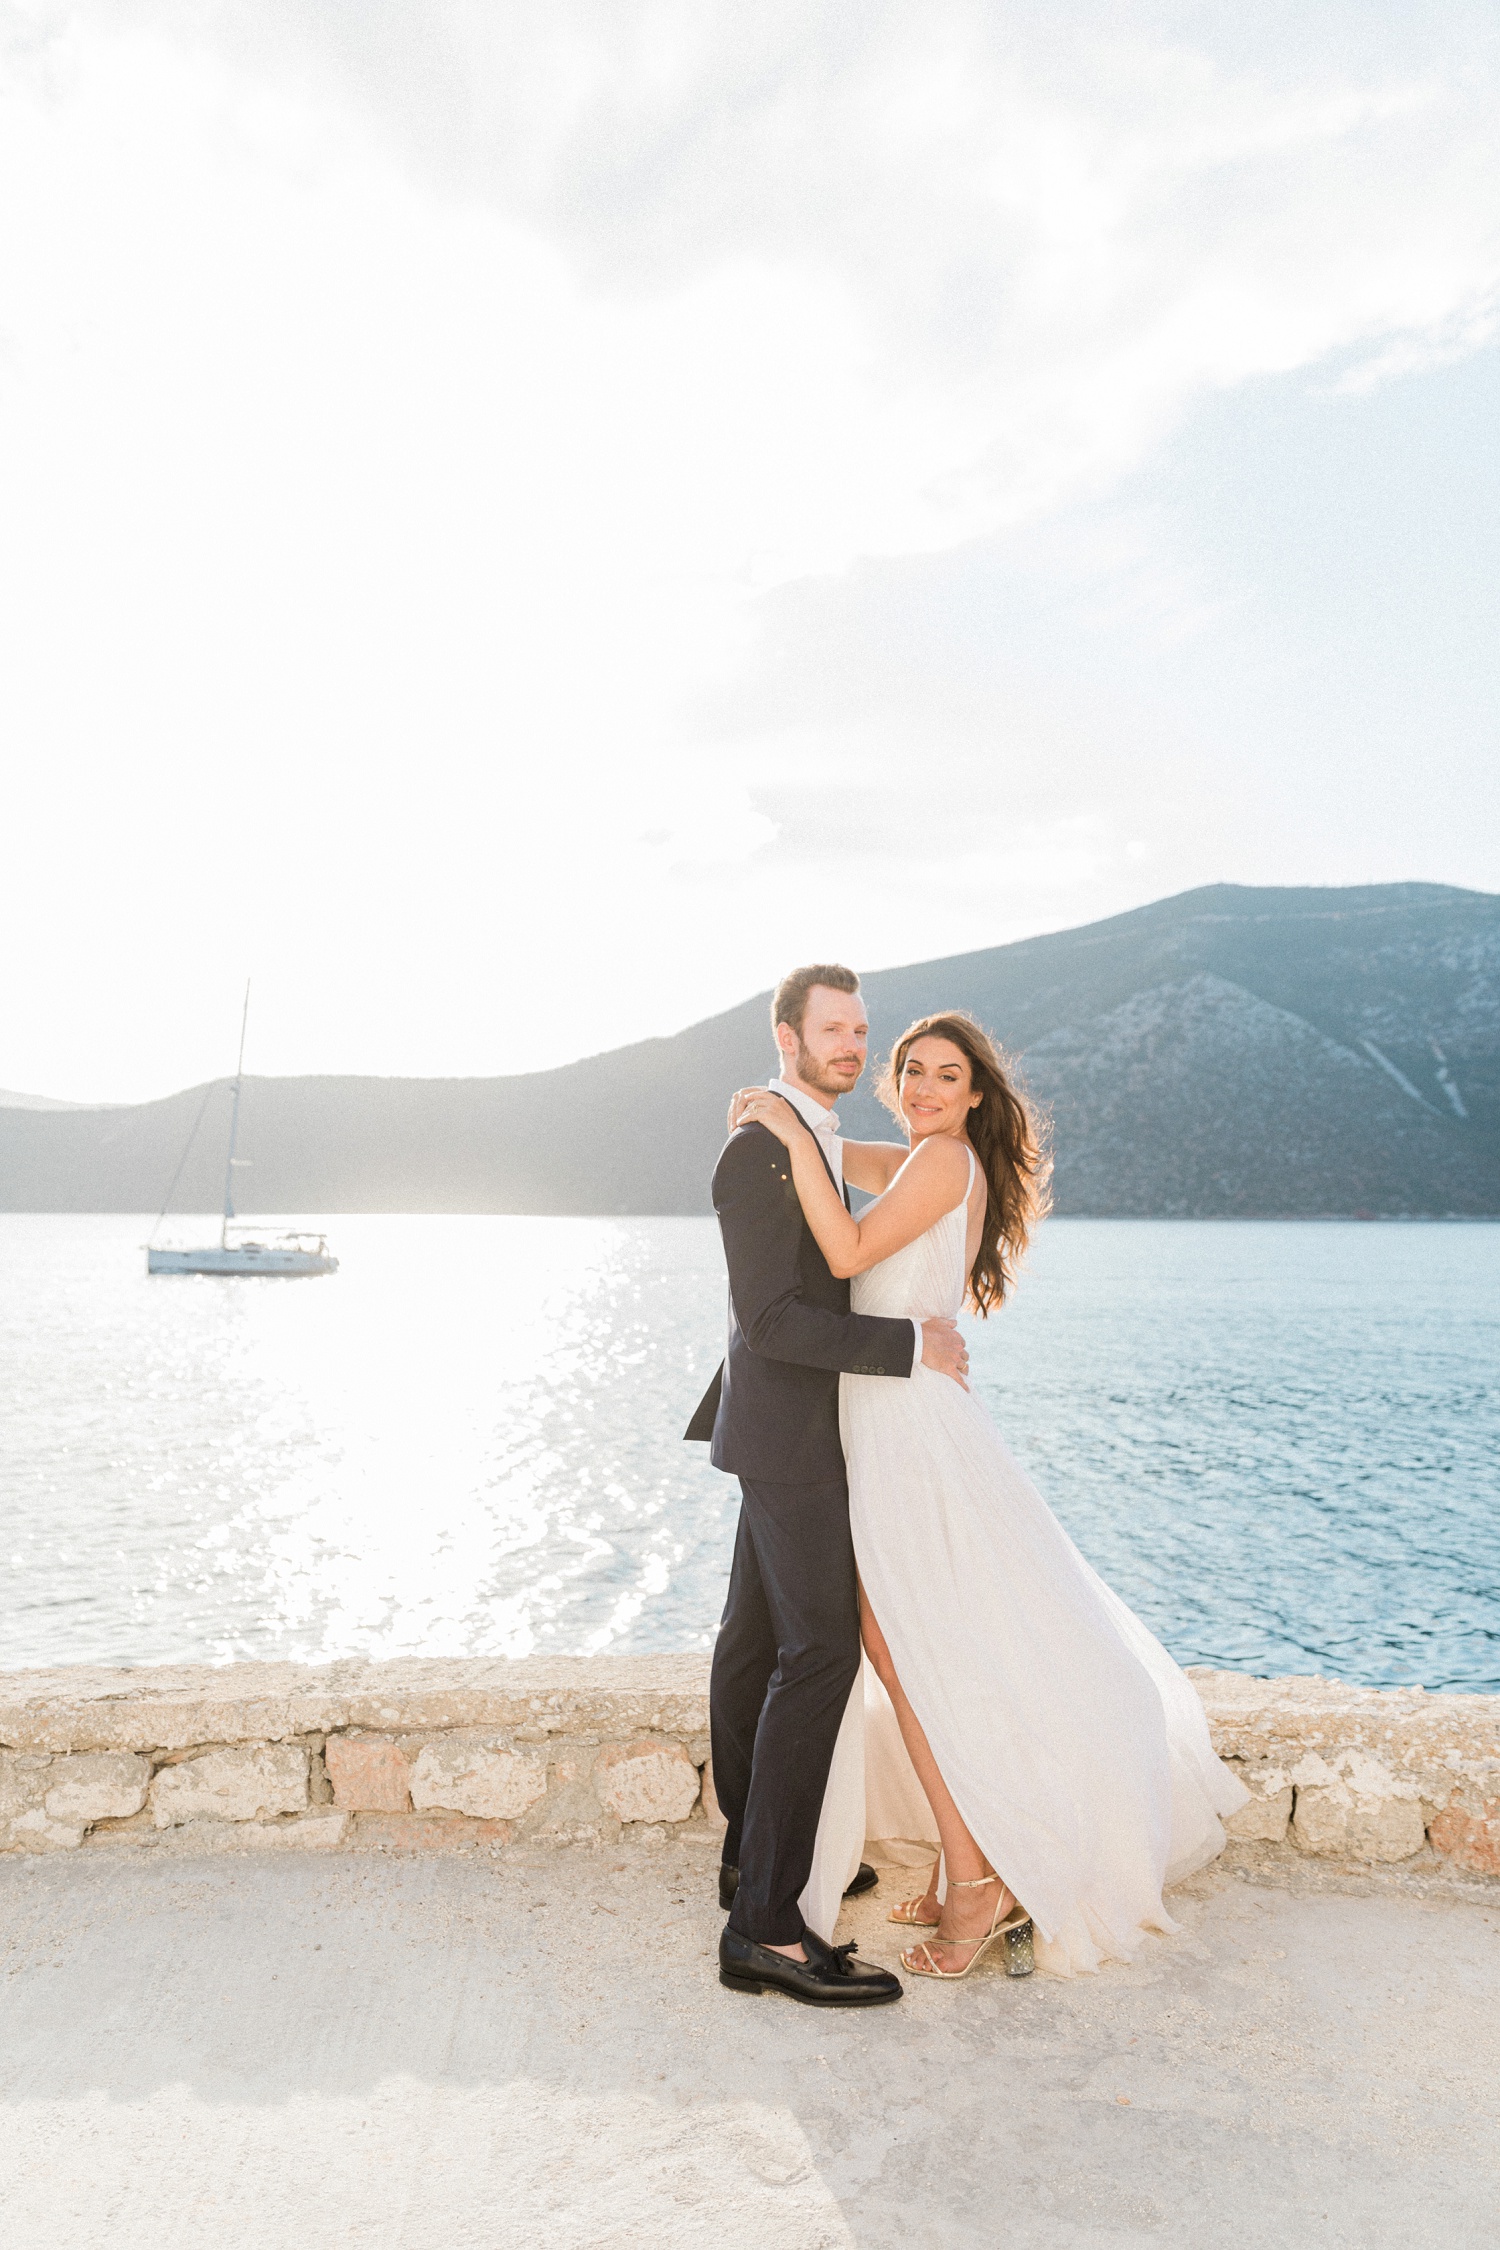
(835, 1034)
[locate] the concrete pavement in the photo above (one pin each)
(431, 2054)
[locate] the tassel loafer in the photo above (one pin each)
(828, 1978)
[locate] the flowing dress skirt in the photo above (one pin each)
(1075, 1749)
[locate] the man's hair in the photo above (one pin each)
(789, 1001)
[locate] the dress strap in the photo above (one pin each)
(968, 1191)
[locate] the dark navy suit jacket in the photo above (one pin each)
(772, 1410)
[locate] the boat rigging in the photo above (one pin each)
(279, 1254)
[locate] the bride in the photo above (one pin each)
(1064, 1757)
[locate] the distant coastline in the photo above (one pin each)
(1230, 1053)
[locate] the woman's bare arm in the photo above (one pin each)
(872, 1165)
(928, 1185)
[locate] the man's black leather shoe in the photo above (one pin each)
(729, 1883)
(828, 1978)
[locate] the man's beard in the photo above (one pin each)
(819, 1076)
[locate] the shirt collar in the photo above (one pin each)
(811, 1112)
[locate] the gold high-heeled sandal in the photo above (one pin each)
(908, 1911)
(1014, 1931)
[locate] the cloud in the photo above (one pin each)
(420, 425)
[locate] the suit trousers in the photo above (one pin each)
(784, 1663)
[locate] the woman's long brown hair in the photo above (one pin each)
(1010, 1141)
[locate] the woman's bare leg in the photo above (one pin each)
(966, 1915)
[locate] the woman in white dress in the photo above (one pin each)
(1064, 1757)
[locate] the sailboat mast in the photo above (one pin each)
(234, 1124)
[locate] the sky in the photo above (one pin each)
(521, 522)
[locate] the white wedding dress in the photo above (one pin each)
(1076, 1750)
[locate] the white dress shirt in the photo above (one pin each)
(824, 1122)
(825, 1125)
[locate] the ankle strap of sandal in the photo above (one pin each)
(976, 1883)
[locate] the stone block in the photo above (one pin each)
(23, 1783)
(1264, 1819)
(1469, 1835)
(369, 1773)
(1355, 1808)
(99, 1785)
(34, 1831)
(25, 1823)
(486, 1782)
(253, 1781)
(178, 1707)
(647, 1781)
(428, 1832)
(570, 1812)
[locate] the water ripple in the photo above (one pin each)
(1280, 1443)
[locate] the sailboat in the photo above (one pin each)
(282, 1254)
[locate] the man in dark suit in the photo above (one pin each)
(788, 1651)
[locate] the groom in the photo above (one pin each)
(788, 1651)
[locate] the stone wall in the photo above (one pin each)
(1376, 1775)
(412, 1755)
(426, 1754)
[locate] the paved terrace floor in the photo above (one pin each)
(257, 2053)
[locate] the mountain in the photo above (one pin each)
(9, 1099)
(1229, 1052)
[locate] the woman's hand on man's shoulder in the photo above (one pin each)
(761, 1107)
(737, 1102)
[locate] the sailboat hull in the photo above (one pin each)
(288, 1254)
(242, 1257)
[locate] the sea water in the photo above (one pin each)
(1280, 1443)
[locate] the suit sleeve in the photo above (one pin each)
(761, 1222)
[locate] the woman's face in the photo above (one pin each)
(937, 1092)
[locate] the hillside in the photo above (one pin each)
(1233, 1051)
